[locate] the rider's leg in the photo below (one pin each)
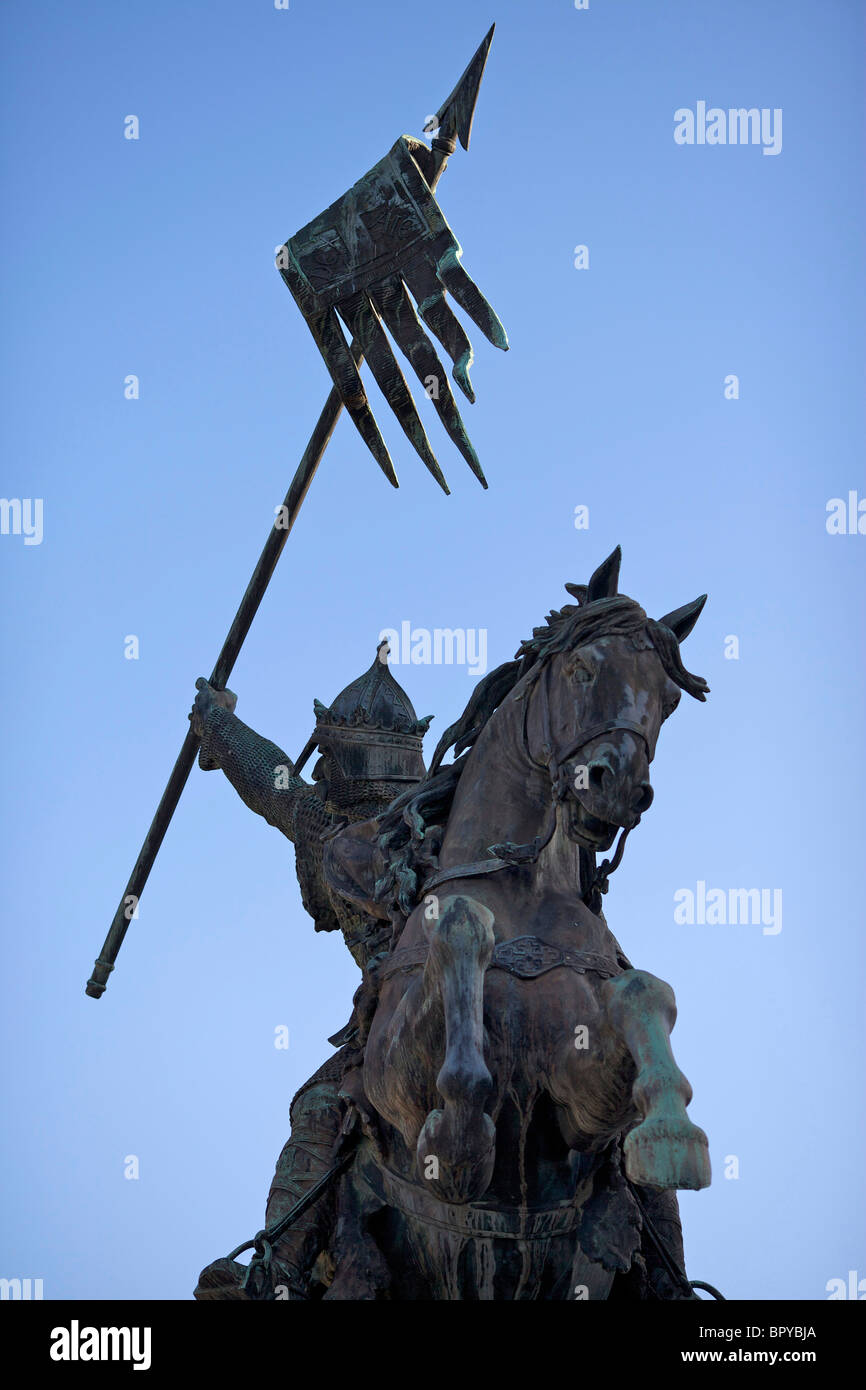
(317, 1117)
(316, 1114)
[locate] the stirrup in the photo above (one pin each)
(265, 1274)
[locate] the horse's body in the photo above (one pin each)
(513, 1048)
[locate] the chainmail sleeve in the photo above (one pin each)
(263, 776)
(260, 772)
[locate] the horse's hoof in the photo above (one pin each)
(467, 1173)
(668, 1153)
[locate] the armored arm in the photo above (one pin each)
(260, 772)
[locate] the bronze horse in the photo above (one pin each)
(524, 1121)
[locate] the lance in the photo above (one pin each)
(358, 260)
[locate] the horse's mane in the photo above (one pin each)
(411, 830)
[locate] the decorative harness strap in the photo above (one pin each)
(527, 957)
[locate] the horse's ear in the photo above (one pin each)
(577, 591)
(682, 620)
(604, 582)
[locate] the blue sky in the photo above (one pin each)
(155, 258)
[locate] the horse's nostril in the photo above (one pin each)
(643, 798)
(597, 774)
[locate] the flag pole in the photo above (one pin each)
(247, 609)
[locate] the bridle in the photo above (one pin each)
(556, 762)
(510, 855)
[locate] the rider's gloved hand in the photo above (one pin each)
(207, 701)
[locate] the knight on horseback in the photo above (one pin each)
(376, 838)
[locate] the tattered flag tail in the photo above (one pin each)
(357, 259)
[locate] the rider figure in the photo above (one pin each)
(370, 741)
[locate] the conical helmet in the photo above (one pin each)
(371, 739)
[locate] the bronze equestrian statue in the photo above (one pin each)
(504, 1119)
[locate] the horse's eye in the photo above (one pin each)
(580, 671)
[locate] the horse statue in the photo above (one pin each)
(521, 1125)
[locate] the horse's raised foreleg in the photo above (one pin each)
(665, 1149)
(456, 1146)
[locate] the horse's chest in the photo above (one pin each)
(534, 1011)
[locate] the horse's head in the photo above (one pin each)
(603, 679)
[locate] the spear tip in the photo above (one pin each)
(456, 113)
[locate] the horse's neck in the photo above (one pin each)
(502, 796)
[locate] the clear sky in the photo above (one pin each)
(154, 258)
